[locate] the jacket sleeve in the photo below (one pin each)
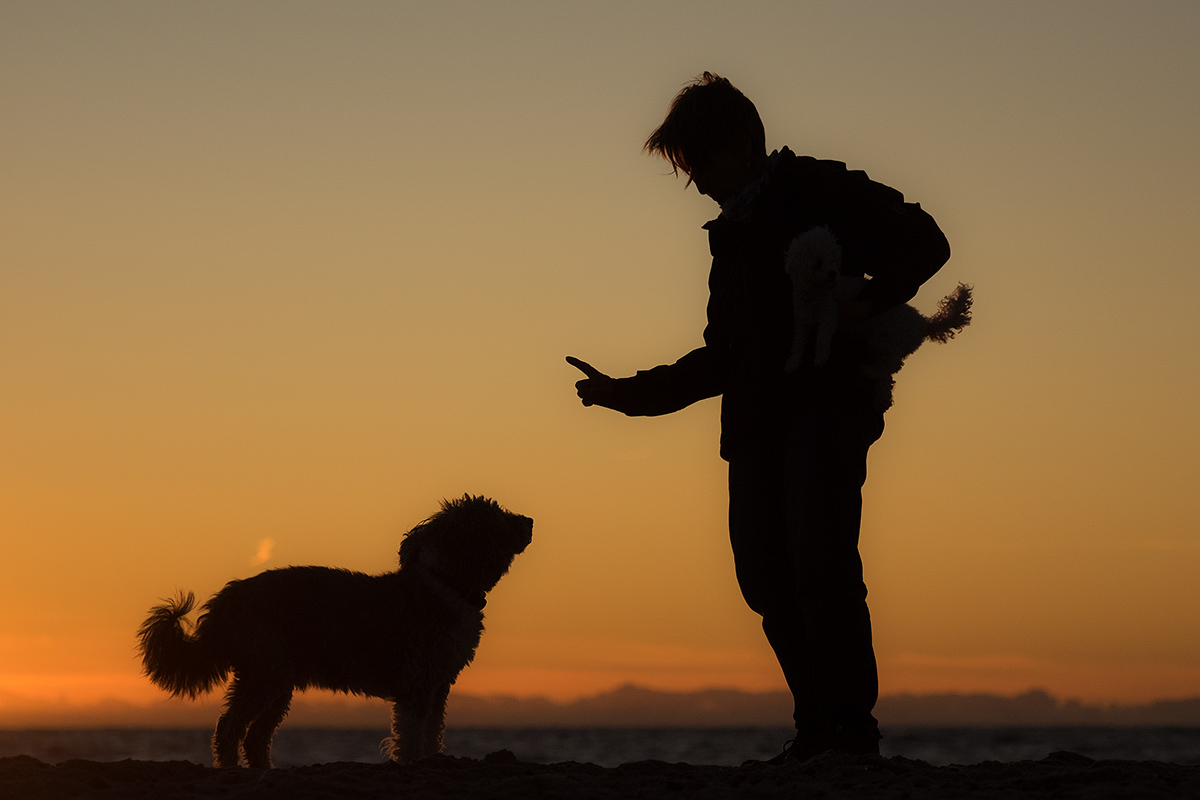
(910, 249)
(697, 376)
(898, 244)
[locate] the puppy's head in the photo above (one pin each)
(814, 259)
(470, 543)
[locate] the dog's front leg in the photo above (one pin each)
(410, 721)
(435, 724)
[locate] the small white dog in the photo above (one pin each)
(814, 261)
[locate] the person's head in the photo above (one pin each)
(714, 134)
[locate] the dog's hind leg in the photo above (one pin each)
(257, 745)
(225, 738)
(245, 701)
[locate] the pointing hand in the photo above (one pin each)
(594, 390)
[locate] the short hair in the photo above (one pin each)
(708, 115)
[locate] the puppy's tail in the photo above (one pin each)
(173, 659)
(953, 314)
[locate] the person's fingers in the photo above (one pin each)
(585, 368)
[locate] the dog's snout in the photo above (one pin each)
(525, 526)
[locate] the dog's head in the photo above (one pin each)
(814, 259)
(470, 543)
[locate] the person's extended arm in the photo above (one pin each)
(664, 389)
(652, 392)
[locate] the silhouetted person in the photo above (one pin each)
(797, 441)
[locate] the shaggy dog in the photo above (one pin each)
(403, 636)
(882, 341)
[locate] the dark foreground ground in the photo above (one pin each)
(500, 775)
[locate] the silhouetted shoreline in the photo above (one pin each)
(633, 706)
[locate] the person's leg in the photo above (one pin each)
(765, 573)
(827, 441)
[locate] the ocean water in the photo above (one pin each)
(610, 747)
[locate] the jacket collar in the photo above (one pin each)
(741, 206)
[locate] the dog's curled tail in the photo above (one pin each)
(953, 314)
(173, 659)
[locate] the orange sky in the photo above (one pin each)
(275, 277)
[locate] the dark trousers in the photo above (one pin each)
(795, 504)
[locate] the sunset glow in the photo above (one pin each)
(277, 277)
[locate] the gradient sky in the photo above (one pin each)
(275, 277)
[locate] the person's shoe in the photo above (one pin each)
(795, 751)
(774, 761)
(841, 740)
(860, 742)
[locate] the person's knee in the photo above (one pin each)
(766, 600)
(831, 583)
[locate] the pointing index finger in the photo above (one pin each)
(584, 367)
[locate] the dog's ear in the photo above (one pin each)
(412, 544)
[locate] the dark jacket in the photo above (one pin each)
(749, 332)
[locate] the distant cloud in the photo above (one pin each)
(265, 546)
(988, 662)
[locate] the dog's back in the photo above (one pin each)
(320, 627)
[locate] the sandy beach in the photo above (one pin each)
(501, 775)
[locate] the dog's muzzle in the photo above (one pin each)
(525, 527)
